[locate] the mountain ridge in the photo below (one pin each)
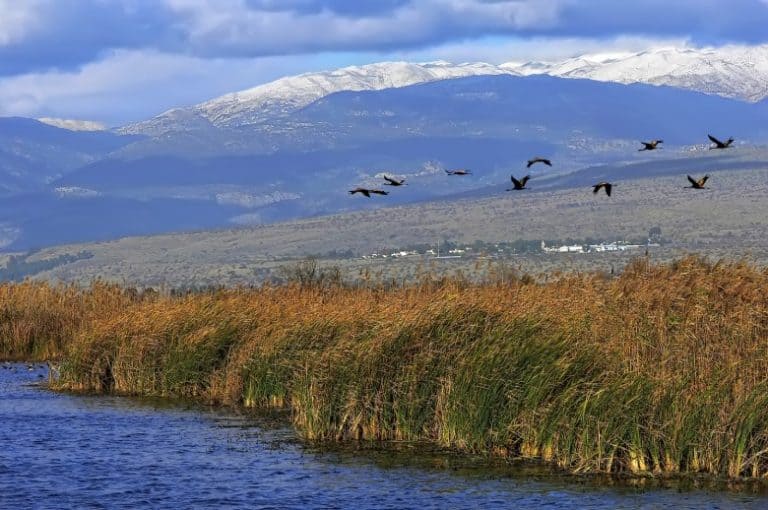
(736, 72)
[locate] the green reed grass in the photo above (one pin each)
(659, 371)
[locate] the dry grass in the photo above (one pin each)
(661, 370)
(37, 320)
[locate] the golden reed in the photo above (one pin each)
(662, 370)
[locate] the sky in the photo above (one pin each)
(118, 61)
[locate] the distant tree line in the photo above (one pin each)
(18, 267)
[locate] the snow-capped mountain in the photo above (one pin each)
(286, 95)
(73, 125)
(739, 72)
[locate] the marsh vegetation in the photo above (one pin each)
(660, 370)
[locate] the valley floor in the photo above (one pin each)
(725, 221)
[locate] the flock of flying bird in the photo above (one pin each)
(519, 184)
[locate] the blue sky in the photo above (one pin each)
(122, 60)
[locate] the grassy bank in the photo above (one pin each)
(662, 370)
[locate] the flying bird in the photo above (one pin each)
(649, 146)
(367, 192)
(519, 184)
(537, 159)
(719, 144)
(460, 171)
(393, 182)
(697, 184)
(607, 185)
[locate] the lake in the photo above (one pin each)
(67, 451)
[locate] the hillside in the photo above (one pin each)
(739, 72)
(725, 220)
(731, 71)
(349, 129)
(489, 124)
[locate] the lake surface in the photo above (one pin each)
(64, 451)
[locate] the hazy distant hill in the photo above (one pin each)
(303, 162)
(739, 72)
(724, 220)
(33, 153)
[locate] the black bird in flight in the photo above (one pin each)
(519, 184)
(652, 145)
(719, 144)
(393, 182)
(367, 192)
(537, 159)
(460, 171)
(607, 185)
(697, 184)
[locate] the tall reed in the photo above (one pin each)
(660, 370)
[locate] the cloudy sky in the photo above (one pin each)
(117, 61)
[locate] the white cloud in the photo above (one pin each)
(231, 23)
(18, 18)
(134, 85)
(501, 50)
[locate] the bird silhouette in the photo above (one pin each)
(537, 159)
(367, 192)
(519, 184)
(607, 185)
(393, 182)
(649, 146)
(460, 171)
(697, 184)
(719, 144)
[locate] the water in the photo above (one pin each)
(62, 451)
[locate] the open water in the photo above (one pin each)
(63, 451)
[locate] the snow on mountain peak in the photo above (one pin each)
(732, 71)
(73, 125)
(739, 72)
(291, 93)
(286, 95)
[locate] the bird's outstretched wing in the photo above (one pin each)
(607, 185)
(360, 190)
(693, 181)
(524, 179)
(715, 141)
(535, 160)
(517, 183)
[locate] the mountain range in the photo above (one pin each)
(737, 72)
(292, 148)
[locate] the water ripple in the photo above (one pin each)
(61, 451)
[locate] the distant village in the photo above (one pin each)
(480, 249)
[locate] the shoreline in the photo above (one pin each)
(428, 455)
(620, 376)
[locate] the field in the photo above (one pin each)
(726, 220)
(660, 370)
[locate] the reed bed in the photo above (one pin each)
(662, 370)
(37, 320)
